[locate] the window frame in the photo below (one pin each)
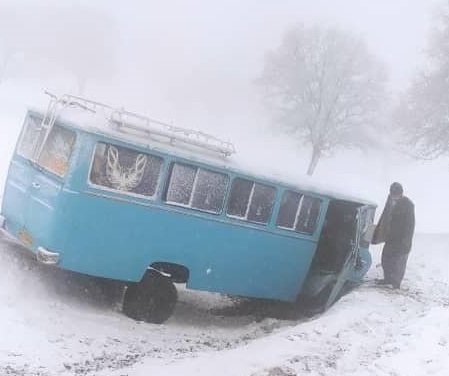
(249, 202)
(198, 168)
(164, 176)
(42, 131)
(39, 147)
(42, 148)
(117, 191)
(298, 211)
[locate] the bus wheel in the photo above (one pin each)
(152, 300)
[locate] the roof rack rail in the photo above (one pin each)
(130, 122)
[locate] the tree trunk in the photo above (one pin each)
(316, 155)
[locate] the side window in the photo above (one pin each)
(196, 188)
(180, 188)
(261, 204)
(288, 210)
(210, 190)
(57, 150)
(299, 212)
(125, 170)
(251, 201)
(32, 137)
(309, 213)
(240, 196)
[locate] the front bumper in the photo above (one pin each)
(42, 254)
(46, 257)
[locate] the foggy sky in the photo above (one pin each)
(193, 63)
(205, 54)
(233, 35)
(185, 56)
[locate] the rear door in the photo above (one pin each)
(349, 265)
(48, 180)
(36, 176)
(22, 171)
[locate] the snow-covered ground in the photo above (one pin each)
(57, 323)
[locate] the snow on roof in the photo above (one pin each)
(99, 122)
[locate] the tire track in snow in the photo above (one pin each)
(85, 329)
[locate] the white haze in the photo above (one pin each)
(193, 63)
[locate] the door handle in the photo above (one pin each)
(35, 185)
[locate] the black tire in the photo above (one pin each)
(151, 300)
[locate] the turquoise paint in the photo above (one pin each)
(118, 236)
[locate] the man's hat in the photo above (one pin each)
(396, 189)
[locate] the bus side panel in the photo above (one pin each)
(15, 197)
(119, 240)
(256, 264)
(45, 205)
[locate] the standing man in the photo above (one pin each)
(395, 228)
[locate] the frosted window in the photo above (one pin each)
(210, 190)
(299, 212)
(58, 148)
(197, 188)
(181, 184)
(125, 170)
(32, 137)
(251, 201)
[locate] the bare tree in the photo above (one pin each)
(325, 89)
(423, 110)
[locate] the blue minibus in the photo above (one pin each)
(109, 193)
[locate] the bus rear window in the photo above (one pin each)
(251, 201)
(55, 154)
(299, 212)
(196, 188)
(125, 170)
(57, 150)
(32, 137)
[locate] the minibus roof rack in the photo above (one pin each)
(130, 122)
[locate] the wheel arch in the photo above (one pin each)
(175, 272)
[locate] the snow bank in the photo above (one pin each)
(60, 323)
